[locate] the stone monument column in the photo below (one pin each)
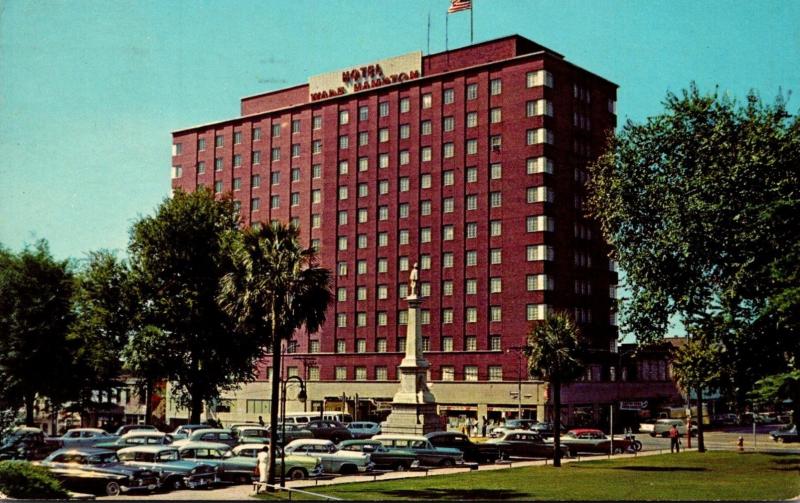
(413, 406)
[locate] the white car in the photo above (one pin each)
(364, 429)
(333, 459)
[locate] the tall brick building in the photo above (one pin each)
(470, 162)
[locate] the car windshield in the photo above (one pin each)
(137, 456)
(97, 459)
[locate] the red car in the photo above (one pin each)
(591, 440)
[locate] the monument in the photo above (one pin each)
(413, 406)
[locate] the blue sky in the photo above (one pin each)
(91, 90)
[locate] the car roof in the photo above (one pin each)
(210, 430)
(249, 446)
(527, 432)
(399, 436)
(203, 445)
(585, 430)
(149, 448)
(85, 450)
(146, 434)
(314, 441)
(250, 427)
(443, 433)
(95, 430)
(363, 441)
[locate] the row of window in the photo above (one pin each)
(381, 344)
(381, 373)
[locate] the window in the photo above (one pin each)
(255, 181)
(219, 141)
(425, 154)
(425, 261)
(363, 113)
(448, 150)
(383, 135)
(275, 202)
(404, 184)
(383, 161)
(425, 181)
(276, 130)
(201, 144)
(342, 243)
(471, 230)
(495, 285)
(540, 223)
(295, 150)
(380, 372)
(539, 78)
(496, 86)
(361, 241)
(402, 210)
(427, 100)
(255, 204)
(448, 373)
(363, 190)
(425, 319)
(539, 107)
(403, 237)
(316, 147)
(541, 135)
(495, 228)
(363, 138)
(496, 142)
(344, 117)
(177, 172)
(218, 187)
(341, 322)
(363, 215)
(295, 126)
(448, 124)
(361, 267)
(402, 319)
(447, 260)
(201, 167)
(405, 105)
(361, 319)
(316, 196)
(316, 122)
(383, 265)
(539, 165)
(341, 294)
(344, 142)
(425, 208)
(316, 171)
(448, 205)
(448, 96)
(494, 343)
(448, 233)
(425, 235)
(313, 372)
(383, 213)
(447, 287)
(405, 131)
(536, 312)
(383, 109)
(426, 127)
(495, 256)
(495, 199)
(495, 115)
(402, 290)
(495, 373)
(383, 187)
(361, 373)
(342, 192)
(495, 313)
(218, 164)
(341, 268)
(275, 154)
(471, 286)
(472, 91)
(402, 263)
(237, 184)
(471, 258)
(447, 317)
(341, 373)
(471, 174)
(472, 147)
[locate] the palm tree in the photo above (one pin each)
(554, 356)
(275, 288)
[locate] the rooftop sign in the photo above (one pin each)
(364, 77)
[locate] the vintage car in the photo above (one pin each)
(333, 459)
(82, 437)
(298, 466)
(786, 434)
(127, 428)
(215, 435)
(526, 444)
(137, 437)
(383, 458)
(182, 432)
(174, 473)
(590, 440)
(328, 430)
(478, 453)
(364, 429)
(512, 424)
(662, 426)
(427, 453)
(545, 429)
(25, 442)
(98, 471)
(217, 455)
(250, 434)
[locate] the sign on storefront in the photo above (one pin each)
(633, 405)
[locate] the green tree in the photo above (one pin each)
(554, 356)
(35, 315)
(700, 205)
(178, 257)
(779, 387)
(139, 360)
(276, 288)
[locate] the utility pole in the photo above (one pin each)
(519, 352)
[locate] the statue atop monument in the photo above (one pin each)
(412, 281)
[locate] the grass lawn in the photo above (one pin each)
(685, 476)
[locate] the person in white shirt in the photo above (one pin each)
(263, 464)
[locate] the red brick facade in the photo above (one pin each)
(430, 203)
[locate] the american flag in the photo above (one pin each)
(459, 5)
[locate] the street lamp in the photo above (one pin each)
(519, 352)
(301, 397)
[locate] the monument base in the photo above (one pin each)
(411, 419)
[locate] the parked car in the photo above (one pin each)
(526, 444)
(427, 453)
(512, 425)
(174, 473)
(216, 454)
(127, 428)
(787, 434)
(545, 429)
(26, 443)
(216, 435)
(662, 426)
(182, 432)
(383, 458)
(298, 466)
(364, 429)
(333, 459)
(591, 440)
(728, 419)
(328, 430)
(98, 471)
(83, 437)
(478, 453)
(137, 438)
(251, 434)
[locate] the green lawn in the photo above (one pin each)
(685, 476)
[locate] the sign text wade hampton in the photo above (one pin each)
(364, 77)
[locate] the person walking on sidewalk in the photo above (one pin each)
(674, 439)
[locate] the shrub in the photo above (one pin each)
(21, 479)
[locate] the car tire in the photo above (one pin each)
(297, 474)
(446, 463)
(618, 450)
(174, 484)
(401, 467)
(112, 489)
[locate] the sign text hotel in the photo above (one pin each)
(363, 77)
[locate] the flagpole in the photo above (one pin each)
(429, 32)
(446, 17)
(471, 8)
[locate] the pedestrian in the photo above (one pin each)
(674, 439)
(263, 462)
(483, 427)
(261, 421)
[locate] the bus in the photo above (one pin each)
(301, 418)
